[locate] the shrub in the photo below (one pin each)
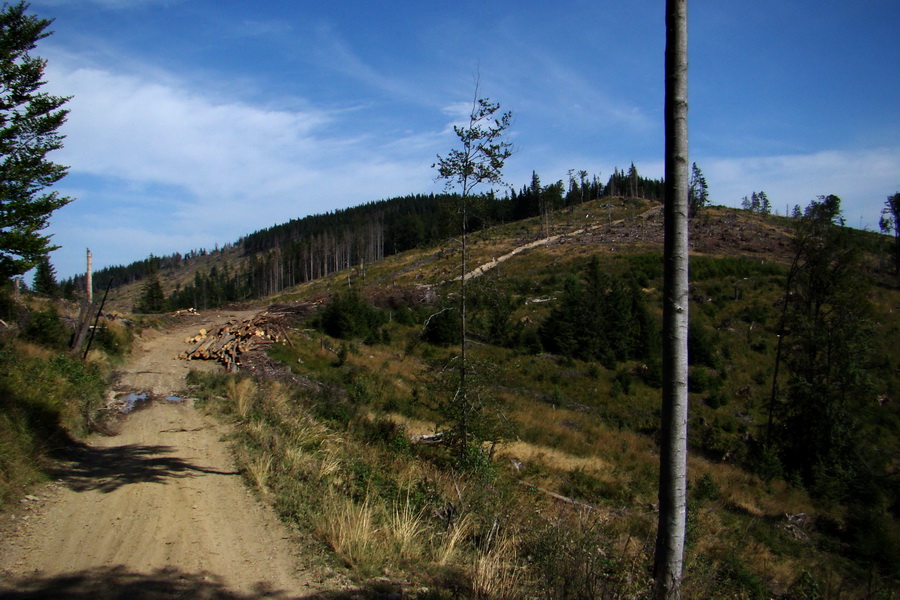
(349, 316)
(114, 338)
(442, 328)
(706, 488)
(575, 561)
(702, 380)
(581, 485)
(46, 328)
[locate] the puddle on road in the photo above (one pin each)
(134, 401)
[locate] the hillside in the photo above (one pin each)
(330, 425)
(582, 427)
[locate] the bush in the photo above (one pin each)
(442, 328)
(576, 561)
(701, 379)
(348, 316)
(581, 485)
(702, 345)
(46, 328)
(706, 488)
(114, 338)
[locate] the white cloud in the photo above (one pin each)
(151, 155)
(861, 178)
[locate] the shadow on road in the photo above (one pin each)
(117, 583)
(84, 468)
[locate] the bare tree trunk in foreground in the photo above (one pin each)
(673, 439)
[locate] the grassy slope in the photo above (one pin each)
(577, 431)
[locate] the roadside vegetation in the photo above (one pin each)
(562, 503)
(49, 397)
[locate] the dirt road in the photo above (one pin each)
(157, 511)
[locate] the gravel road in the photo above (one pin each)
(157, 511)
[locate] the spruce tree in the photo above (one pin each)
(824, 343)
(890, 224)
(153, 299)
(45, 279)
(698, 191)
(29, 125)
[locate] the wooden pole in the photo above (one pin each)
(89, 278)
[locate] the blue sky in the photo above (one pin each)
(194, 122)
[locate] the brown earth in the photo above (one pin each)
(157, 511)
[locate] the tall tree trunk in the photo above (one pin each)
(673, 434)
(463, 390)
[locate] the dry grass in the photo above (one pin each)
(449, 545)
(349, 528)
(551, 457)
(496, 574)
(241, 392)
(259, 469)
(329, 464)
(749, 493)
(406, 527)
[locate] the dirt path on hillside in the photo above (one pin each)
(157, 511)
(552, 239)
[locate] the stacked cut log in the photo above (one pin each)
(235, 338)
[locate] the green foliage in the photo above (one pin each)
(210, 288)
(495, 311)
(644, 268)
(698, 191)
(46, 328)
(44, 403)
(442, 327)
(758, 202)
(152, 300)
(874, 538)
(735, 579)
(10, 310)
(469, 415)
(483, 150)
(703, 379)
(113, 338)
(602, 318)
(805, 588)
(890, 224)
(581, 485)
(29, 124)
(708, 267)
(576, 561)
(829, 335)
(702, 345)
(45, 279)
(349, 316)
(706, 488)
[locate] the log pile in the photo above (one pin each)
(235, 338)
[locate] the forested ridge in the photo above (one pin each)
(314, 246)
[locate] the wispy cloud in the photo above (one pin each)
(861, 178)
(215, 168)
